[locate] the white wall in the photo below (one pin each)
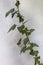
(9, 51)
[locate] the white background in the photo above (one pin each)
(9, 51)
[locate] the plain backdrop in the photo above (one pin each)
(32, 10)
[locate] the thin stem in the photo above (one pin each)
(35, 61)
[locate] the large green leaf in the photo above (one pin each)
(10, 11)
(12, 27)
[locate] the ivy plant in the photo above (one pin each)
(27, 45)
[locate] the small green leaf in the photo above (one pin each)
(12, 27)
(38, 57)
(31, 30)
(28, 48)
(34, 45)
(23, 31)
(10, 11)
(19, 42)
(37, 60)
(17, 3)
(28, 32)
(23, 49)
(31, 52)
(20, 28)
(35, 53)
(21, 19)
(18, 15)
(25, 41)
(14, 13)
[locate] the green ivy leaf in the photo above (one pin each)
(20, 28)
(19, 42)
(34, 45)
(17, 3)
(38, 57)
(35, 53)
(28, 48)
(24, 30)
(31, 52)
(12, 27)
(25, 41)
(28, 32)
(19, 15)
(10, 11)
(37, 60)
(31, 30)
(14, 14)
(21, 19)
(23, 49)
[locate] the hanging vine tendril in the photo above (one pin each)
(27, 45)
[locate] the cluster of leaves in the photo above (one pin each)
(27, 45)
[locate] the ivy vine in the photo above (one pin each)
(27, 45)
